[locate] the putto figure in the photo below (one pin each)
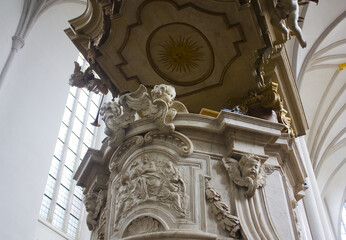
(160, 107)
(87, 80)
(248, 172)
(288, 10)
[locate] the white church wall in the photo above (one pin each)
(32, 96)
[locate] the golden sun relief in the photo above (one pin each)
(181, 54)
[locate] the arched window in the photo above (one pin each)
(61, 207)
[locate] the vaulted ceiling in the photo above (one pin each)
(322, 86)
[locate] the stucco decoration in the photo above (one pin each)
(150, 179)
(160, 106)
(181, 59)
(288, 11)
(227, 221)
(117, 119)
(87, 80)
(248, 172)
(94, 203)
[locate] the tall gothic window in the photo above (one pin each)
(62, 200)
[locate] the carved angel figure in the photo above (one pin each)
(87, 80)
(93, 204)
(248, 172)
(288, 10)
(117, 120)
(160, 107)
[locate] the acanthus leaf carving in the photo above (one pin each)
(150, 179)
(227, 221)
(248, 172)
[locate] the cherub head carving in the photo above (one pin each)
(163, 92)
(248, 172)
(249, 166)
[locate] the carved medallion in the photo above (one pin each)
(180, 54)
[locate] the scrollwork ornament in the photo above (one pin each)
(133, 141)
(180, 141)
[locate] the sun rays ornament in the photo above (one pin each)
(181, 54)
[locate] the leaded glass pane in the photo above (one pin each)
(66, 177)
(50, 187)
(63, 196)
(54, 168)
(80, 112)
(67, 116)
(73, 143)
(58, 217)
(63, 132)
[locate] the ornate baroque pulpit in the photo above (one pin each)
(200, 135)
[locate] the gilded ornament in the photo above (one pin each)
(181, 54)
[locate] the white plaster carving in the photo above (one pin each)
(162, 176)
(143, 225)
(117, 119)
(150, 179)
(160, 107)
(288, 10)
(294, 206)
(222, 213)
(94, 202)
(181, 142)
(248, 172)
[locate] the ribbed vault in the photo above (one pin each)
(322, 85)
